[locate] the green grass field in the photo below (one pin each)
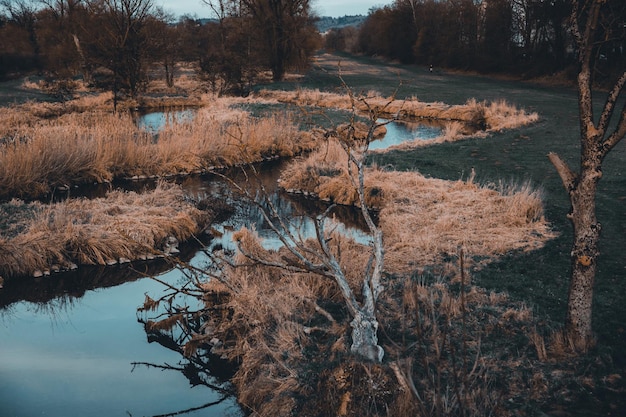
(539, 278)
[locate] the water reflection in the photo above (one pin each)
(76, 359)
(155, 121)
(405, 131)
(398, 131)
(71, 344)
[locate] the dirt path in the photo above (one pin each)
(13, 92)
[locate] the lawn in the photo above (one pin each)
(539, 278)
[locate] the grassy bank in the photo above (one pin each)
(123, 226)
(462, 335)
(558, 384)
(516, 156)
(424, 220)
(38, 154)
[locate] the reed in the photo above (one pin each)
(37, 155)
(97, 232)
(480, 115)
(425, 218)
(445, 341)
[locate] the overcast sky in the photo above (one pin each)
(334, 8)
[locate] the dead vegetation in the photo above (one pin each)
(121, 227)
(452, 348)
(472, 118)
(424, 219)
(286, 330)
(37, 155)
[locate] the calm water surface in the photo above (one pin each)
(399, 132)
(74, 357)
(74, 348)
(71, 350)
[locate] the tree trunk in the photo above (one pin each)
(595, 142)
(584, 257)
(365, 338)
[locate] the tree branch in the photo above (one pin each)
(568, 177)
(609, 106)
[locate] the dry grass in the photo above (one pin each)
(496, 115)
(37, 154)
(453, 360)
(425, 218)
(453, 349)
(99, 231)
(446, 345)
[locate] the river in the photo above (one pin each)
(71, 344)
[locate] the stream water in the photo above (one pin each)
(71, 344)
(404, 131)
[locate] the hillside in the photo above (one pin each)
(325, 23)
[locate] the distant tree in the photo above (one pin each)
(165, 43)
(285, 28)
(118, 39)
(374, 32)
(598, 136)
(539, 31)
(230, 51)
(497, 35)
(58, 29)
(341, 39)
(21, 34)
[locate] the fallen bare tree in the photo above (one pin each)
(302, 321)
(316, 256)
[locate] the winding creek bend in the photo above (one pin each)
(72, 344)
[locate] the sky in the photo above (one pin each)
(334, 8)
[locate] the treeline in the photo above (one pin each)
(525, 37)
(117, 43)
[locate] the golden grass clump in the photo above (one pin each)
(425, 218)
(38, 155)
(445, 344)
(100, 231)
(265, 333)
(272, 321)
(75, 148)
(470, 118)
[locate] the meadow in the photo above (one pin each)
(518, 156)
(516, 258)
(538, 278)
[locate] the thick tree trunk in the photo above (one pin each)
(584, 257)
(365, 338)
(584, 254)
(595, 143)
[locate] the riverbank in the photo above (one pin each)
(449, 342)
(39, 239)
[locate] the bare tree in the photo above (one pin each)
(597, 138)
(118, 40)
(320, 259)
(283, 26)
(24, 15)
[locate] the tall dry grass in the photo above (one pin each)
(97, 232)
(425, 218)
(452, 359)
(271, 321)
(36, 156)
(496, 115)
(470, 118)
(288, 334)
